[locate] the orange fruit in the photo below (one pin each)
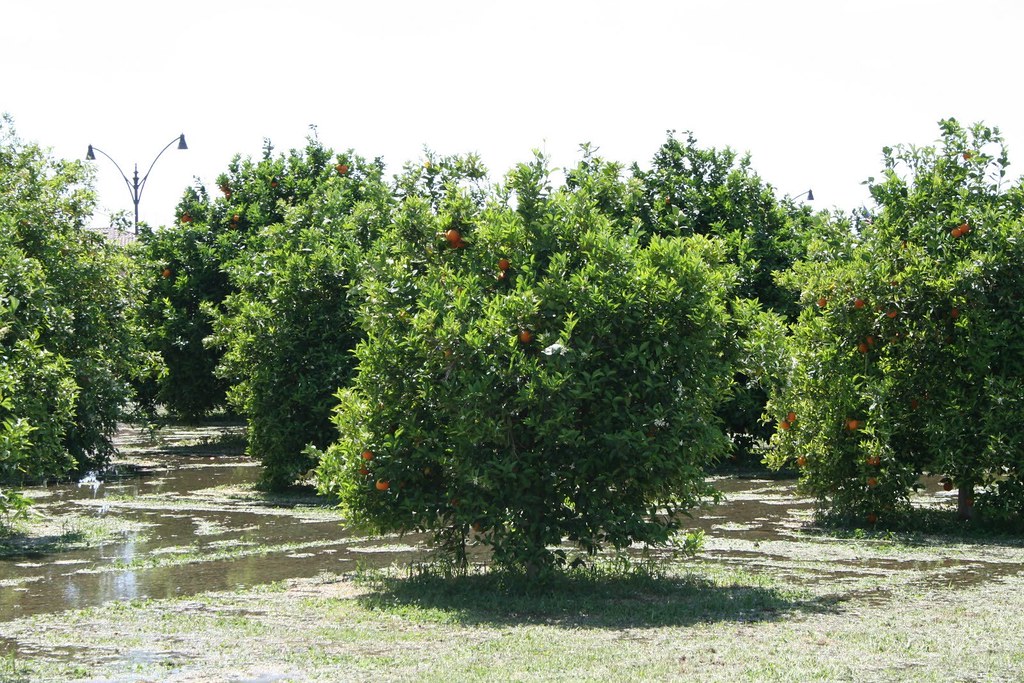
(801, 461)
(947, 485)
(342, 169)
(874, 460)
(503, 264)
(964, 228)
(452, 235)
(862, 347)
(891, 314)
(367, 455)
(852, 425)
(166, 272)
(383, 485)
(858, 303)
(791, 417)
(955, 313)
(784, 425)
(186, 218)
(956, 232)
(525, 336)
(363, 471)
(872, 482)
(821, 302)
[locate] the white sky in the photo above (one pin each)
(812, 88)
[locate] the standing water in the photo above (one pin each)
(172, 519)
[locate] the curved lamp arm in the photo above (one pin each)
(181, 145)
(135, 186)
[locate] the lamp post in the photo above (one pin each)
(809, 193)
(135, 185)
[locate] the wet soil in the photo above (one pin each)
(179, 513)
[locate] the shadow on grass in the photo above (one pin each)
(222, 437)
(17, 546)
(587, 599)
(924, 527)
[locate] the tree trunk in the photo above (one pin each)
(965, 502)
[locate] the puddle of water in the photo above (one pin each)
(192, 527)
(191, 524)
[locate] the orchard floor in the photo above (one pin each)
(180, 570)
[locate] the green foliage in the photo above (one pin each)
(181, 266)
(913, 330)
(530, 372)
(287, 330)
(186, 265)
(690, 190)
(68, 341)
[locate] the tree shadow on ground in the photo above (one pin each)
(591, 600)
(20, 546)
(923, 527)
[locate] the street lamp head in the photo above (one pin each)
(89, 156)
(810, 193)
(181, 142)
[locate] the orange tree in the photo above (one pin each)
(909, 353)
(530, 373)
(287, 330)
(691, 190)
(68, 346)
(186, 262)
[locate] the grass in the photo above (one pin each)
(39, 536)
(696, 621)
(801, 604)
